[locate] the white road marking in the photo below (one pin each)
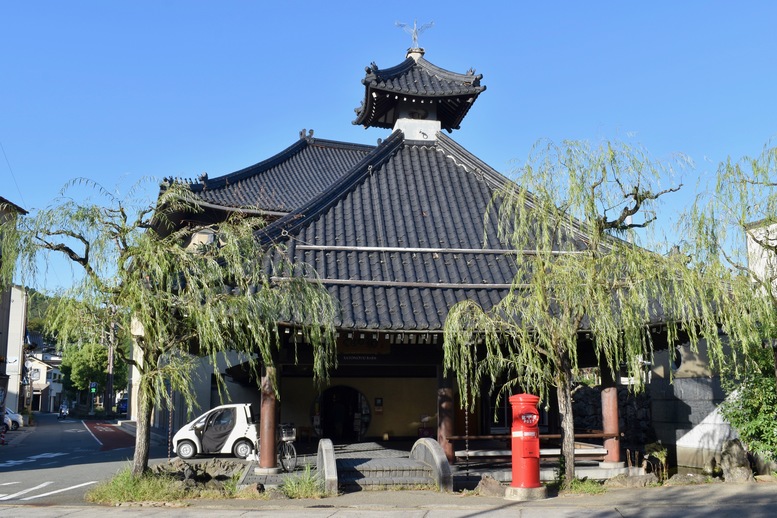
(8, 483)
(47, 455)
(12, 463)
(90, 433)
(60, 490)
(24, 492)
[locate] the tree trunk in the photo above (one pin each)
(142, 430)
(564, 392)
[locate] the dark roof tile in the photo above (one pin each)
(399, 239)
(418, 79)
(285, 181)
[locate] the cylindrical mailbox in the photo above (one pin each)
(525, 441)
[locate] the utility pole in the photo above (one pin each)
(109, 378)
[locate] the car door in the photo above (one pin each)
(218, 427)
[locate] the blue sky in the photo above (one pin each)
(116, 91)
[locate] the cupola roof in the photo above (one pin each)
(429, 89)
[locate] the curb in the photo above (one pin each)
(130, 427)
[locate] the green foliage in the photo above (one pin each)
(38, 304)
(752, 405)
(89, 362)
(303, 485)
(733, 236)
(576, 279)
(585, 486)
(149, 280)
(162, 486)
(124, 487)
(9, 243)
(657, 455)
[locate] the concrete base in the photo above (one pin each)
(267, 471)
(523, 494)
(593, 472)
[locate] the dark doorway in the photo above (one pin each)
(345, 414)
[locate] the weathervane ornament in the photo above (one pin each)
(415, 30)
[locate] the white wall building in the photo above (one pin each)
(13, 318)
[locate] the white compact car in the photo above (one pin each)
(228, 429)
(16, 420)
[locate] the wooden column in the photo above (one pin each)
(268, 421)
(445, 413)
(610, 417)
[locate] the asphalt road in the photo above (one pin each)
(56, 461)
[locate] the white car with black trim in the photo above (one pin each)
(16, 420)
(227, 429)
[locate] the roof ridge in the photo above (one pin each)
(260, 167)
(376, 73)
(240, 174)
(449, 74)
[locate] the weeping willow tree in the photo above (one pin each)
(575, 217)
(732, 229)
(146, 279)
(9, 241)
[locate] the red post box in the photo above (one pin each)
(525, 441)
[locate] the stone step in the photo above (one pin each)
(383, 473)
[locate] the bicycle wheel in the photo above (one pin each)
(288, 456)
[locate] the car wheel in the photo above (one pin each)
(14, 426)
(242, 448)
(186, 449)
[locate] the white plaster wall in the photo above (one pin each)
(13, 325)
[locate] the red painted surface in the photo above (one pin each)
(525, 441)
(111, 435)
(610, 423)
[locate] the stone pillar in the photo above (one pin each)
(610, 418)
(445, 413)
(268, 421)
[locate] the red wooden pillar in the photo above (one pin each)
(268, 421)
(445, 413)
(610, 417)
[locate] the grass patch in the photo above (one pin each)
(585, 487)
(161, 485)
(303, 485)
(125, 488)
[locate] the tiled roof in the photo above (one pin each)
(420, 80)
(400, 238)
(285, 181)
(6, 205)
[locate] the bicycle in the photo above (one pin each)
(287, 453)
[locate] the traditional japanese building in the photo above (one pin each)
(398, 234)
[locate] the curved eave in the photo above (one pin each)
(378, 110)
(417, 81)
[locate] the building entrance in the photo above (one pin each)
(341, 414)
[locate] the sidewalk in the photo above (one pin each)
(718, 500)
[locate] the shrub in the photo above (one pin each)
(303, 485)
